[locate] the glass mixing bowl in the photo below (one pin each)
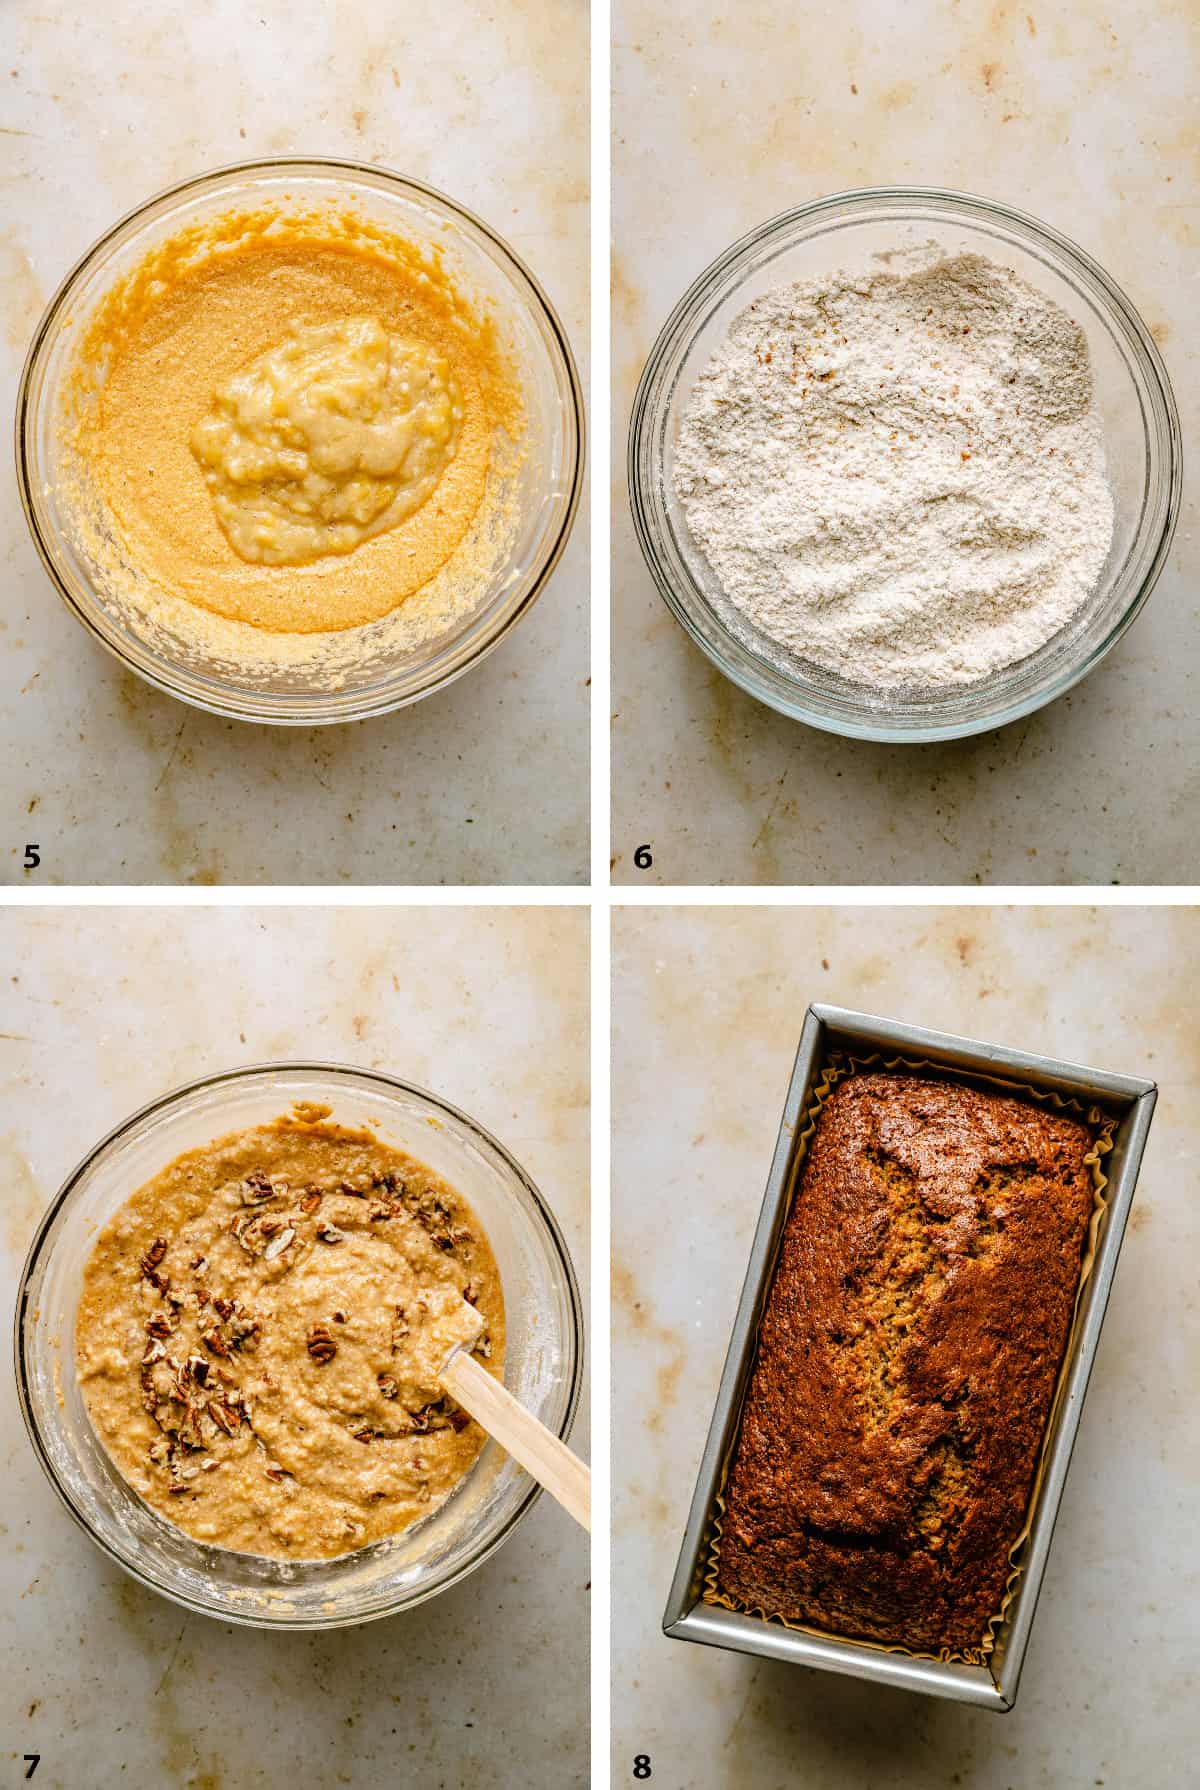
(543, 1362)
(1133, 395)
(546, 485)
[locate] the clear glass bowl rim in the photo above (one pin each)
(551, 553)
(642, 465)
(573, 1339)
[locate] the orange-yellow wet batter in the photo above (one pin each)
(289, 418)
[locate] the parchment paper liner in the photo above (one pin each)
(838, 1067)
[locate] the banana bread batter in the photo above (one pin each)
(288, 420)
(261, 1331)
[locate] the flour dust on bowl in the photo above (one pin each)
(300, 440)
(232, 1409)
(905, 464)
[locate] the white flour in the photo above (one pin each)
(900, 475)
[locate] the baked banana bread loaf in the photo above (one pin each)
(906, 1363)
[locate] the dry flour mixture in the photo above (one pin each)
(900, 475)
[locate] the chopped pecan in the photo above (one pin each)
(214, 1342)
(224, 1416)
(256, 1188)
(224, 1308)
(153, 1257)
(310, 1202)
(388, 1386)
(159, 1324)
(197, 1366)
(190, 1433)
(321, 1345)
(329, 1233)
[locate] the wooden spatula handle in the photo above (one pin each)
(520, 1434)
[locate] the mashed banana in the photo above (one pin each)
(338, 433)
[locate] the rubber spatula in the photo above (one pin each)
(518, 1432)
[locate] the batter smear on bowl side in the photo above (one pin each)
(900, 475)
(261, 1332)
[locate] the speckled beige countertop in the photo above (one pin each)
(119, 784)
(707, 1011)
(113, 1684)
(1086, 116)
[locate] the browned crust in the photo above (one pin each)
(907, 1361)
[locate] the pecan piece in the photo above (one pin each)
(256, 1187)
(214, 1342)
(224, 1416)
(321, 1345)
(310, 1202)
(153, 1257)
(159, 1324)
(277, 1245)
(329, 1233)
(388, 1386)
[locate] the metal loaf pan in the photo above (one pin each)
(1130, 1101)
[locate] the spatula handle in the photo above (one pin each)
(520, 1434)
